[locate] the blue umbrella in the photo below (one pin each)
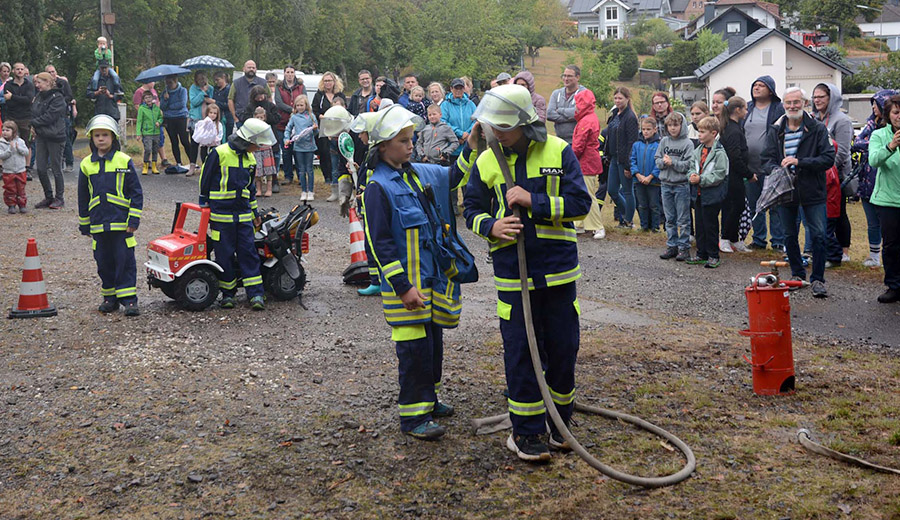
(207, 62)
(159, 73)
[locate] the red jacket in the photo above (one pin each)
(585, 139)
(287, 96)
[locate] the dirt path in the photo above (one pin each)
(291, 413)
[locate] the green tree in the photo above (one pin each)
(21, 33)
(709, 45)
(680, 59)
(598, 72)
(654, 32)
(534, 23)
(623, 53)
(837, 15)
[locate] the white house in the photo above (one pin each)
(769, 52)
(611, 18)
(886, 26)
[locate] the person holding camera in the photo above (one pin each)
(106, 92)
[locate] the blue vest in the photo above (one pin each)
(432, 249)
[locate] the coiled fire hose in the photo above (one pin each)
(804, 437)
(647, 482)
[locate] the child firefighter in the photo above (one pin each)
(109, 210)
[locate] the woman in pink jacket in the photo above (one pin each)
(586, 145)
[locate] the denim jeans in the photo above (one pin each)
(776, 230)
(335, 167)
(815, 223)
(287, 157)
(873, 221)
(647, 199)
(277, 149)
(620, 191)
(305, 173)
(676, 202)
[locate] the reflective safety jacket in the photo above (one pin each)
(551, 173)
(226, 184)
(109, 193)
(404, 227)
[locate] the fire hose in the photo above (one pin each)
(647, 482)
(804, 437)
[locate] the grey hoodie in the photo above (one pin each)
(13, 159)
(840, 128)
(435, 140)
(678, 149)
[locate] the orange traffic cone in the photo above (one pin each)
(357, 272)
(33, 301)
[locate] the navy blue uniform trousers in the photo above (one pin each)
(555, 317)
(237, 237)
(116, 266)
(421, 363)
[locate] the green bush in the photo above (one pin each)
(624, 55)
(653, 63)
(866, 44)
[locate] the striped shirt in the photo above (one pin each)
(792, 141)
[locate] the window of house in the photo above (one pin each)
(767, 57)
(593, 30)
(612, 32)
(612, 13)
(733, 27)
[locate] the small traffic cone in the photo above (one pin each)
(33, 301)
(357, 273)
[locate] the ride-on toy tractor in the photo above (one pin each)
(182, 264)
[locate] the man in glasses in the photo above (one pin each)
(561, 109)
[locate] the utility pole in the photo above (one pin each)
(107, 22)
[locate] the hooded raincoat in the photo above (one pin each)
(540, 104)
(839, 127)
(585, 139)
(861, 143)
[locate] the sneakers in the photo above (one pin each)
(600, 234)
(712, 263)
(371, 290)
(44, 203)
(303, 196)
(819, 290)
(831, 265)
(889, 296)
(23, 209)
(258, 303)
(427, 431)
(57, 204)
(754, 245)
(528, 447)
(845, 257)
(131, 309)
(740, 247)
(558, 442)
(226, 302)
(683, 255)
(12, 210)
(670, 253)
(696, 260)
(725, 246)
(872, 262)
(334, 194)
(442, 410)
(109, 305)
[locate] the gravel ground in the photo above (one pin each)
(269, 415)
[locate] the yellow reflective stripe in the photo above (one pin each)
(476, 226)
(412, 256)
(564, 277)
(227, 285)
(447, 303)
(445, 320)
(511, 284)
(84, 221)
(465, 165)
(253, 204)
(245, 193)
(133, 212)
(107, 292)
(392, 269)
(556, 202)
(437, 387)
(213, 234)
(504, 310)
(555, 233)
(221, 217)
(411, 410)
(373, 271)
(253, 280)
(130, 242)
(222, 195)
(245, 217)
(118, 226)
(128, 291)
(119, 201)
(563, 399)
(120, 184)
(500, 244)
(389, 298)
(535, 408)
(407, 332)
(97, 228)
(93, 203)
(577, 306)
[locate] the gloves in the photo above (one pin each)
(345, 191)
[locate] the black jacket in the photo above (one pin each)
(735, 144)
(272, 114)
(625, 136)
(357, 104)
(48, 115)
(320, 102)
(19, 105)
(104, 104)
(815, 155)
